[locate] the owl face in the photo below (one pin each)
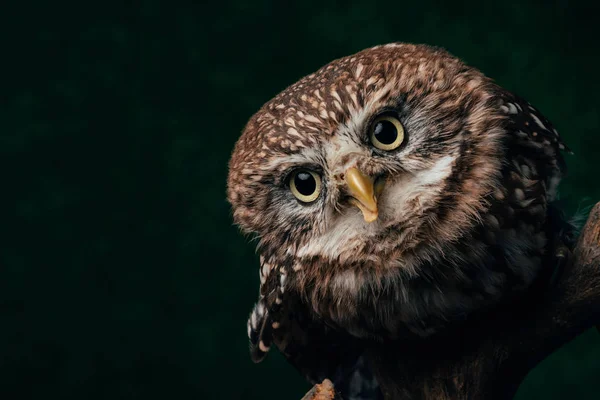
(379, 171)
(356, 165)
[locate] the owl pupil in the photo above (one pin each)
(305, 183)
(385, 132)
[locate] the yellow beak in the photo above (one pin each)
(362, 190)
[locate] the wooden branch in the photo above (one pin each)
(322, 391)
(487, 358)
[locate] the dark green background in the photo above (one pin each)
(121, 275)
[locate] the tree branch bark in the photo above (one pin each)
(488, 358)
(322, 391)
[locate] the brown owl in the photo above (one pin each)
(394, 193)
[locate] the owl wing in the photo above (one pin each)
(535, 165)
(535, 138)
(313, 348)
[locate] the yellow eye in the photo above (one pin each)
(305, 185)
(387, 133)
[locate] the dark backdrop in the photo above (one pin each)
(121, 275)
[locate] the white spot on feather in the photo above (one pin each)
(359, 69)
(262, 347)
(371, 80)
(338, 105)
(282, 278)
(312, 118)
(336, 95)
(512, 109)
(293, 132)
(253, 321)
(537, 121)
(519, 194)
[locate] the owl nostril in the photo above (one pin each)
(339, 177)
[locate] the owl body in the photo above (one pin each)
(394, 192)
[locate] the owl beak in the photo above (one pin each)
(361, 188)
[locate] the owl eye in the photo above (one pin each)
(305, 185)
(387, 133)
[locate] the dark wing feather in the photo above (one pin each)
(320, 352)
(535, 137)
(534, 144)
(316, 350)
(260, 328)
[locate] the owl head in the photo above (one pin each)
(370, 165)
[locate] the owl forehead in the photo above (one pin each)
(346, 91)
(341, 95)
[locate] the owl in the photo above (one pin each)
(394, 194)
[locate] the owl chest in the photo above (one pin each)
(478, 272)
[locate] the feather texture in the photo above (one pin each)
(465, 207)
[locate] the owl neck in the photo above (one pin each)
(369, 301)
